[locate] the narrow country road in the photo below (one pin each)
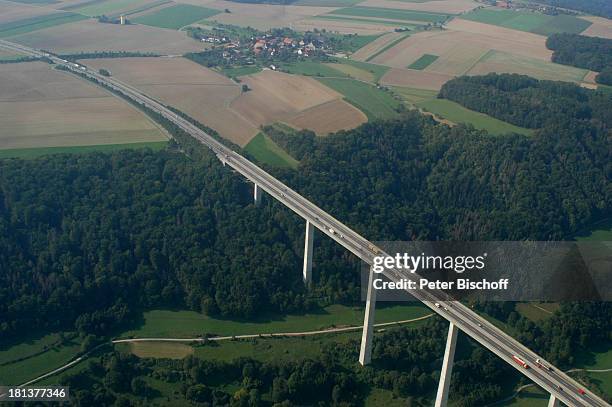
(219, 338)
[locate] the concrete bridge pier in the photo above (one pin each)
(553, 401)
(365, 353)
(308, 239)
(257, 194)
(447, 367)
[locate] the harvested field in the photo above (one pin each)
(263, 16)
(414, 79)
(109, 7)
(601, 27)
(435, 6)
(13, 11)
(37, 23)
(375, 46)
(346, 26)
(329, 117)
(496, 61)
(93, 36)
(276, 94)
(161, 350)
(535, 44)
(408, 16)
(42, 107)
(202, 93)
(461, 46)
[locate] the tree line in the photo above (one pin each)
(592, 53)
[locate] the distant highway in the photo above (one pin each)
(501, 344)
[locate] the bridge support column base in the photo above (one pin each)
(553, 401)
(308, 239)
(257, 194)
(447, 367)
(365, 353)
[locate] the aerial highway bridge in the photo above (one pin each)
(561, 387)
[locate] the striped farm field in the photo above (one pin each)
(176, 17)
(38, 23)
(423, 62)
(390, 14)
(528, 21)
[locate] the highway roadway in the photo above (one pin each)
(503, 345)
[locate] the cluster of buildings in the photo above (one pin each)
(267, 46)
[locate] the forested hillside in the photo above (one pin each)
(89, 239)
(592, 53)
(531, 103)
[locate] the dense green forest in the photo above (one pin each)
(596, 7)
(592, 53)
(531, 103)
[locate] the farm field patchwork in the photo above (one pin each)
(497, 61)
(42, 107)
(459, 49)
(201, 93)
(433, 6)
(365, 52)
(527, 21)
(297, 100)
(38, 23)
(375, 103)
(176, 16)
(263, 16)
(109, 7)
(267, 151)
(92, 36)
(390, 14)
(456, 113)
(329, 117)
(411, 78)
(423, 62)
(345, 25)
(601, 27)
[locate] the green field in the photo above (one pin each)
(40, 151)
(391, 14)
(311, 68)
(189, 324)
(423, 62)
(267, 151)
(387, 47)
(601, 232)
(176, 17)
(235, 72)
(375, 103)
(376, 70)
(38, 23)
(108, 7)
(527, 21)
(41, 355)
(458, 114)
(414, 96)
